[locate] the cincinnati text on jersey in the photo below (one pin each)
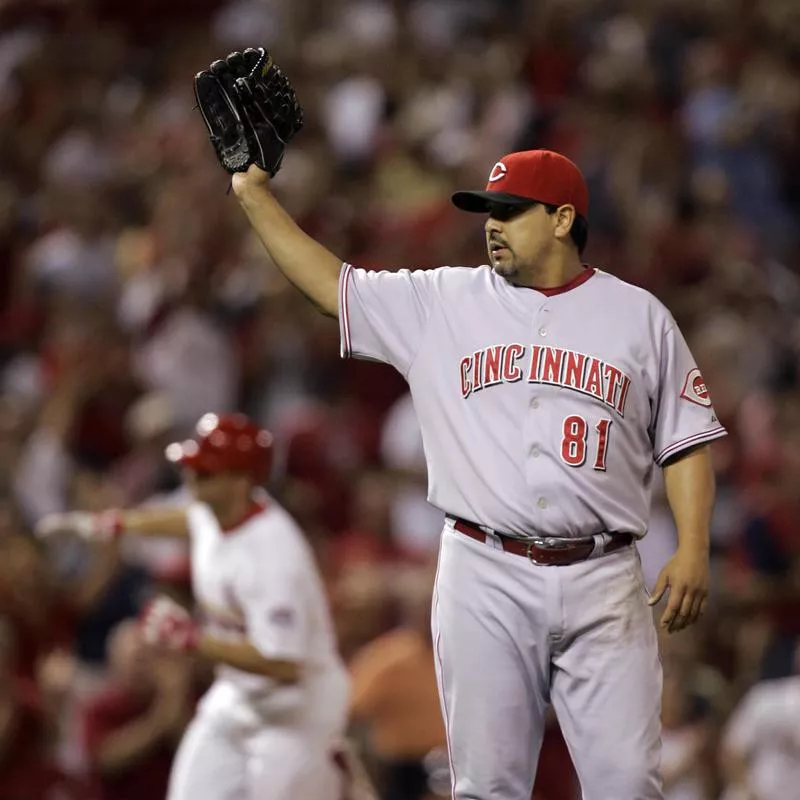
(509, 363)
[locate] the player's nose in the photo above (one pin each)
(492, 227)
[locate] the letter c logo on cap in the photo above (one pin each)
(499, 170)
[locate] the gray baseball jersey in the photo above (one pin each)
(543, 412)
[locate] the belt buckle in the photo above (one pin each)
(551, 542)
(544, 543)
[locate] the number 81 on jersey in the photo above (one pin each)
(574, 442)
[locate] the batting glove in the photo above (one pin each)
(165, 623)
(100, 527)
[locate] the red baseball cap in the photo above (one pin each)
(530, 176)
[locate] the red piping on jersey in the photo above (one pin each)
(345, 310)
(438, 657)
(580, 278)
(256, 508)
(689, 441)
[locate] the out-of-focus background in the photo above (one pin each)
(133, 298)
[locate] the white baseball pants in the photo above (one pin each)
(511, 637)
(217, 762)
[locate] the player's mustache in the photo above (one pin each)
(495, 241)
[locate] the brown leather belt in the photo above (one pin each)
(546, 551)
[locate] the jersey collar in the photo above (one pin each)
(580, 278)
(259, 505)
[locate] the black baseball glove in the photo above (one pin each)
(250, 110)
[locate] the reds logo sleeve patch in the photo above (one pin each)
(282, 616)
(695, 390)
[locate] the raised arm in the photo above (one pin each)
(312, 268)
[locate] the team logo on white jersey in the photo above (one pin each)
(499, 170)
(282, 616)
(695, 389)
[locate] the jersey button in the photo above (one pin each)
(542, 503)
(543, 331)
(534, 404)
(535, 452)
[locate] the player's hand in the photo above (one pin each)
(165, 623)
(254, 178)
(685, 575)
(102, 527)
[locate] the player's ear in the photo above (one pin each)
(563, 218)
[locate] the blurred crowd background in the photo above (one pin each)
(133, 298)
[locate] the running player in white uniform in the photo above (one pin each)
(270, 724)
(547, 393)
(761, 741)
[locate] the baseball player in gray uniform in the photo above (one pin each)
(547, 392)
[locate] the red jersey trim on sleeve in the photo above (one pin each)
(346, 349)
(690, 441)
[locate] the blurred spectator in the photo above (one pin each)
(368, 539)
(761, 748)
(555, 777)
(394, 695)
(133, 727)
(151, 425)
(40, 617)
(190, 358)
(686, 736)
(26, 767)
(416, 524)
(362, 605)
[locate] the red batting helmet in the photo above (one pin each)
(226, 443)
